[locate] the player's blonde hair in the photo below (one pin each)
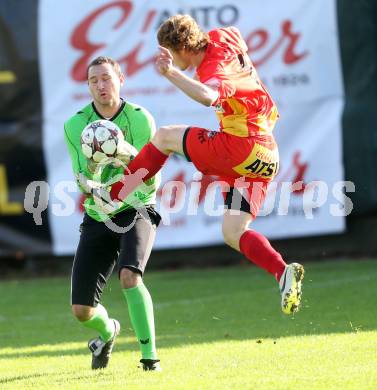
(182, 32)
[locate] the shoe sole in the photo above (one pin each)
(292, 298)
(155, 366)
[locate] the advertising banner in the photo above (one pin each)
(298, 63)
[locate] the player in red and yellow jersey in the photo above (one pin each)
(246, 112)
(243, 152)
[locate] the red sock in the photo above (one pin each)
(144, 166)
(258, 250)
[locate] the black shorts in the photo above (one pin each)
(101, 248)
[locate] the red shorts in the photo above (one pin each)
(249, 163)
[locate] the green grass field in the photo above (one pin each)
(216, 329)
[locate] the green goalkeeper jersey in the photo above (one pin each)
(138, 127)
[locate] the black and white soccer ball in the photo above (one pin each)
(101, 139)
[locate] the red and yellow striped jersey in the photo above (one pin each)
(244, 107)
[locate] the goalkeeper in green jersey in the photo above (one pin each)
(101, 247)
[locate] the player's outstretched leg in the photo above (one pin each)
(290, 287)
(258, 250)
(101, 350)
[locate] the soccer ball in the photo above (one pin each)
(102, 139)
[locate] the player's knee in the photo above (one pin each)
(166, 137)
(162, 136)
(129, 278)
(82, 313)
(228, 238)
(232, 235)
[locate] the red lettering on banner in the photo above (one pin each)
(205, 182)
(297, 171)
(148, 20)
(131, 62)
(176, 194)
(300, 169)
(80, 40)
(259, 39)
